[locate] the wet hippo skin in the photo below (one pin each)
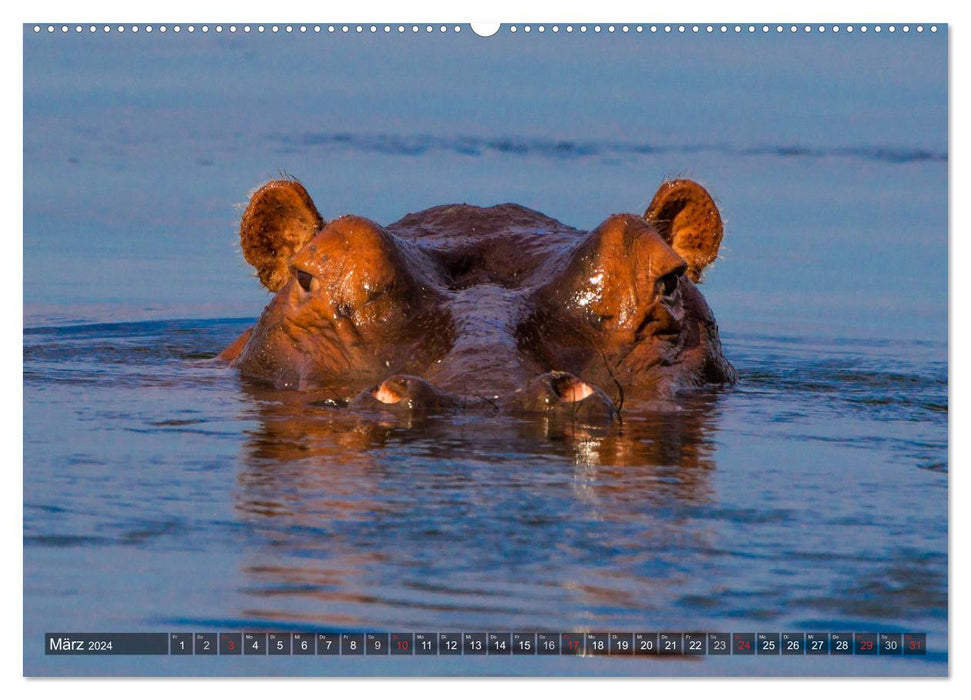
(461, 307)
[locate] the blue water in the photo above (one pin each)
(164, 493)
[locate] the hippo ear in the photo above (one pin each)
(686, 217)
(280, 219)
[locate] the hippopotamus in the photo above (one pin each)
(461, 307)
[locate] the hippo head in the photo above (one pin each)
(466, 307)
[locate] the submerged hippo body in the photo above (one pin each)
(503, 307)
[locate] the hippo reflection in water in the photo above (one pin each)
(462, 307)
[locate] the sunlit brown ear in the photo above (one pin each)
(279, 220)
(685, 215)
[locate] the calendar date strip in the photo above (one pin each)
(584, 644)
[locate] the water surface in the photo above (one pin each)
(164, 493)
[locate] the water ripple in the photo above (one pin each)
(568, 149)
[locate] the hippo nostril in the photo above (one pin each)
(563, 396)
(569, 388)
(386, 394)
(404, 394)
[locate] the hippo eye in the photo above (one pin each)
(600, 319)
(669, 283)
(304, 279)
(375, 294)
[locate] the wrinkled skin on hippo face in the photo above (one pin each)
(352, 309)
(501, 308)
